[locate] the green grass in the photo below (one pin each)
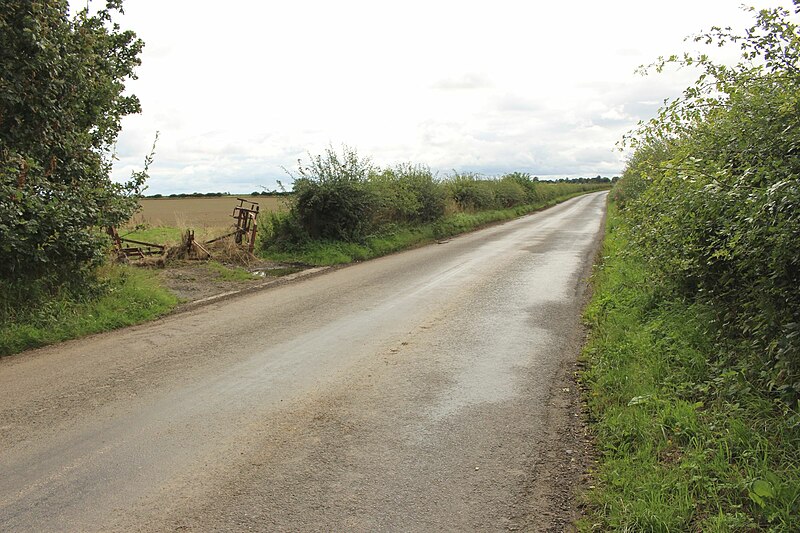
(131, 296)
(683, 445)
(155, 235)
(322, 253)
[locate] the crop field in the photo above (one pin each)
(198, 212)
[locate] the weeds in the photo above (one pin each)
(228, 273)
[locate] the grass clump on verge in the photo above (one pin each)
(684, 445)
(122, 296)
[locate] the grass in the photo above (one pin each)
(323, 253)
(156, 235)
(131, 296)
(683, 445)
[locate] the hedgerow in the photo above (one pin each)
(713, 193)
(345, 198)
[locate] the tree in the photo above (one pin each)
(62, 82)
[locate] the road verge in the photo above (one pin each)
(679, 447)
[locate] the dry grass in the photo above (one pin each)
(225, 250)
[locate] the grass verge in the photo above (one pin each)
(131, 296)
(683, 445)
(324, 253)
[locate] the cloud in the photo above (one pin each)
(513, 86)
(515, 102)
(467, 81)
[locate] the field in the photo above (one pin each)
(197, 212)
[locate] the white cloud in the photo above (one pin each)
(469, 80)
(241, 91)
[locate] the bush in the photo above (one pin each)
(333, 197)
(281, 231)
(430, 194)
(342, 198)
(470, 193)
(408, 194)
(528, 184)
(683, 446)
(640, 166)
(62, 98)
(509, 193)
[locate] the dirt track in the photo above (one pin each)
(427, 390)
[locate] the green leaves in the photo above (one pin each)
(61, 102)
(713, 191)
(761, 490)
(333, 198)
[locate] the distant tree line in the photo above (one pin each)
(216, 194)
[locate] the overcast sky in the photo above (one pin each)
(241, 90)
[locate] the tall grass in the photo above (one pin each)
(682, 446)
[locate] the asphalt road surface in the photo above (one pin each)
(421, 391)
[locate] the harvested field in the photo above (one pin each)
(198, 212)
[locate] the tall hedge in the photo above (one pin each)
(714, 192)
(344, 197)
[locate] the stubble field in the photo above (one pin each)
(198, 212)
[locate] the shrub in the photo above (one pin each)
(281, 231)
(333, 198)
(62, 98)
(470, 193)
(343, 198)
(714, 197)
(640, 166)
(409, 194)
(528, 184)
(508, 192)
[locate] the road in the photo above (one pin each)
(427, 390)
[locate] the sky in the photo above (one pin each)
(239, 91)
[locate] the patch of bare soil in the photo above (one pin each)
(195, 280)
(567, 460)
